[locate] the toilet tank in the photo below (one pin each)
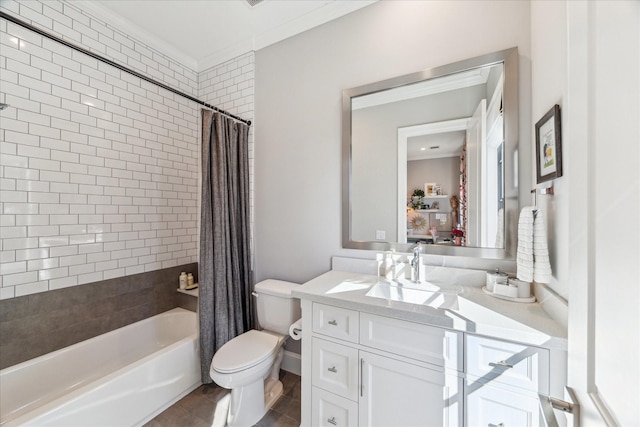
(276, 308)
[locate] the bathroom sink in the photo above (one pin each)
(424, 293)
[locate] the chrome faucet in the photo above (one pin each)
(415, 263)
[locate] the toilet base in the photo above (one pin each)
(272, 392)
(242, 413)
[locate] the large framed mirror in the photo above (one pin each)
(431, 157)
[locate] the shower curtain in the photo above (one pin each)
(225, 303)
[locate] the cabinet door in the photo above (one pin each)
(395, 393)
(489, 406)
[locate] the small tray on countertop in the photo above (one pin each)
(507, 298)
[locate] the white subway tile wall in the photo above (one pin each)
(230, 86)
(98, 169)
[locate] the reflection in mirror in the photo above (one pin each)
(425, 157)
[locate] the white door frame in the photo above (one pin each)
(404, 133)
(603, 64)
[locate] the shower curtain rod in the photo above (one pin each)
(28, 26)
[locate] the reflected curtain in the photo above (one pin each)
(224, 271)
(463, 192)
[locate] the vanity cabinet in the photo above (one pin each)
(388, 372)
(372, 370)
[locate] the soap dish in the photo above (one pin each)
(192, 287)
(507, 298)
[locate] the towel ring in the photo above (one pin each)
(546, 191)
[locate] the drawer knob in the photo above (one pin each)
(500, 364)
(333, 323)
(496, 425)
(332, 420)
(332, 369)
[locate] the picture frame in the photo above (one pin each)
(549, 146)
(430, 188)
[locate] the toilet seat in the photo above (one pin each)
(245, 351)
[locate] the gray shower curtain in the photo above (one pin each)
(224, 271)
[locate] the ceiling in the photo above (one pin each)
(435, 146)
(204, 33)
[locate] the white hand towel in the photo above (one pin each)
(525, 259)
(541, 266)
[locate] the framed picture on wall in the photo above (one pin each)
(549, 146)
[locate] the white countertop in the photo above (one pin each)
(470, 310)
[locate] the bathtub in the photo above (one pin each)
(122, 378)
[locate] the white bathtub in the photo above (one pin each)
(122, 378)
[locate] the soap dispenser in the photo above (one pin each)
(386, 267)
(391, 266)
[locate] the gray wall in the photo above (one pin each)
(299, 83)
(445, 172)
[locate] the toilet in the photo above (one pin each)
(249, 364)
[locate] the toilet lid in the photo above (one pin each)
(245, 351)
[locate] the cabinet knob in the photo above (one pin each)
(496, 425)
(500, 364)
(332, 420)
(332, 369)
(333, 322)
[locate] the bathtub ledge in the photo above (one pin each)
(192, 292)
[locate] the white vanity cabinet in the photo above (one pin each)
(370, 361)
(369, 370)
(372, 370)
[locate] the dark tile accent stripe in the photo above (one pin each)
(37, 324)
(187, 302)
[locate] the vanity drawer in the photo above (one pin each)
(329, 410)
(335, 368)
(335, 322)
(414, 340)
(514, 364)
(488, 405)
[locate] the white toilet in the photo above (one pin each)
(249, 364)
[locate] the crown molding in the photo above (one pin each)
(226, 54)
(330, 10)
(120, 24)
(327, 12)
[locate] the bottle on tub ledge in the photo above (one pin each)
(190, 282)
(183, 280)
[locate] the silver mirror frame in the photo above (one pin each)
(509, 57)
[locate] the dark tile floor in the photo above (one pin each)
(207, 406)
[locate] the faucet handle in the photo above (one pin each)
(417, 249)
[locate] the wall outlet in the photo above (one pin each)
(380, 234)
